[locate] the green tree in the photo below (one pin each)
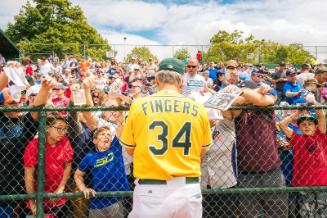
(225, 46)
(46, 26)
(182, 54)
(140, 53)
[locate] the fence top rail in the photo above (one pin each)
(105, 108)
(204, 191)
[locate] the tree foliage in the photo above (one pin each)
(140, 53)
(46, 26)
(225, 46)
(182, 54)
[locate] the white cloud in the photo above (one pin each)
(285, 21)
(130, 15)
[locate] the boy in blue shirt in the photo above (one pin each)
(106, 167)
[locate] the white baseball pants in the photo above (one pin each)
(176, 199)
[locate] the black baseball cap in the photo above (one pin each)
(248, 84)
(290, 72)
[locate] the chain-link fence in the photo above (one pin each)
(48, 164)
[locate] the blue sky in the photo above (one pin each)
(181, 22)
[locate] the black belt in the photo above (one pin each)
(188, 180)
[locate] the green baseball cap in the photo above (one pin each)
(172, 64)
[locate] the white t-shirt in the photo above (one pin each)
(304, 76)
(192, 84)
(45, 68)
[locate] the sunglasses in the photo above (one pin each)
(258, 75)
(230, 68)
(133, 86)
(191, 66)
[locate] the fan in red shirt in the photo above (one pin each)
(199, 56)
(58, 158)
(27, 63)
(310, 149)
(310, 159)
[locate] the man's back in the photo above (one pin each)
(256, 142)
(167, 132)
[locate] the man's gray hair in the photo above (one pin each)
(169, 77)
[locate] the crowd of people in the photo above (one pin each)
(250, 148)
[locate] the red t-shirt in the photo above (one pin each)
(310, 159)
(68, 92)
(55, 159)
(61, 102)
(29, 70)
(124, 87)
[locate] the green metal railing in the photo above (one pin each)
(40, 195)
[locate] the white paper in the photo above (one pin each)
(213, 114)
(200, 98)
(16, 75)
(17, 81)
(223, 99)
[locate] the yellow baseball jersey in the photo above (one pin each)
(167, 132)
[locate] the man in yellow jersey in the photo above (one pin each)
(167, 133)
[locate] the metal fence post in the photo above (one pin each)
(41, 163)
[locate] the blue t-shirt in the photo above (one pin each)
(290, 87)
(107, 172)
(244, 76)
(213, 73)
(271, 91)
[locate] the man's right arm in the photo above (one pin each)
(258, 99)
(91, 120)
(43, 95)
